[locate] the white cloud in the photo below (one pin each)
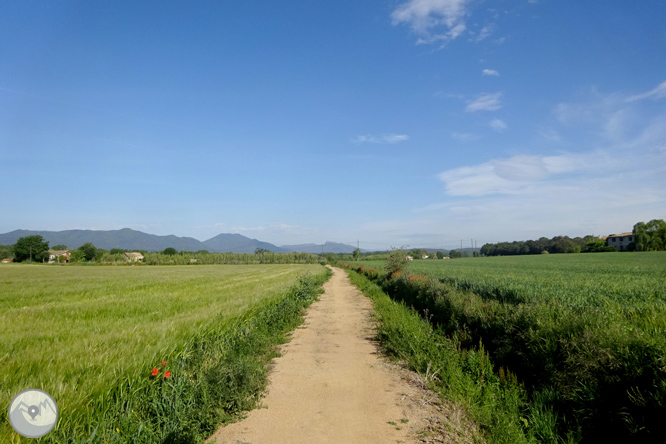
(484, 33)
(508, 176)
(485, 102)
(465, 137)
(426, 17)
(490, 72)
(498, 125)
(658, 93)
(611, 177)
(383, 139)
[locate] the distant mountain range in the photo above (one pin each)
(128, 239)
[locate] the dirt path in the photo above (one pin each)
(331, 385)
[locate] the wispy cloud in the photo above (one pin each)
(658, 93)
(498, 125)
(490, 72)
(383, 139)
(583, 191)
(465, 137)
(485, 102)
(428, 17)
(484, 33)
(508, 176)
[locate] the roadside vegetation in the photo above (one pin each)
(494, 401)
(584, 335)
(145, 354)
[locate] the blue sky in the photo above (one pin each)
(392, 122)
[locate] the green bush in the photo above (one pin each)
(396, 261)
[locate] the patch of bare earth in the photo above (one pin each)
(332, 385)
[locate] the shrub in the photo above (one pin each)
(396, 261)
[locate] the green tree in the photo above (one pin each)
(656, 228)
(78, 256)
(650, 236)
(170, 251)
(89, 251)
(5, 251)
(260, 251)
(641, 237)
(356, 254)
(31, 248)
(396, 260)
(59, 247)
(440, 255)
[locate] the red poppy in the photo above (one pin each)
(163, 363)
(155, 372)
(167, 374)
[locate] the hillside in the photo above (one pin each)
(237, 243)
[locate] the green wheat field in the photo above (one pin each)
(75, 332)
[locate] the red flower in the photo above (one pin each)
(484, 305)
(167, 374)
(163, 363)
(155, 372)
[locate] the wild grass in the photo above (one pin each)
(586, 334)
(90, 336)
(466, 377)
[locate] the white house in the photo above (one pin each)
(620, 241)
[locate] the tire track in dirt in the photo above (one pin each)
(331, 385)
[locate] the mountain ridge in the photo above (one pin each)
(129, 239)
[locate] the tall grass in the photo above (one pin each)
(586, 336)
(90, 336)
(494, 401)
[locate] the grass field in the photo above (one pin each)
(76, 332)
(585, 333)
(575, 280)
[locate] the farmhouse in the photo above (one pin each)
(134, 257)
(59, 256)
(6, 261)
(620, 241)
(409, 258)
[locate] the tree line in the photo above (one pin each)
(650, 236)
(36, 249)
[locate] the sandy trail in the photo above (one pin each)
(332, 386)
